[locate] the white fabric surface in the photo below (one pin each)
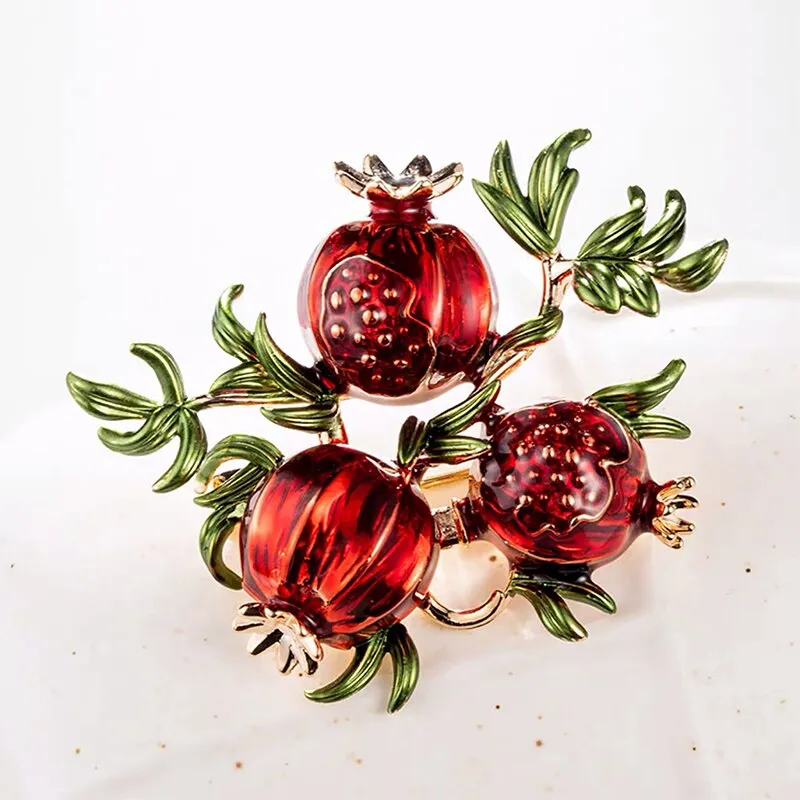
(162, 151)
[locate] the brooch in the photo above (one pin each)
(338, 547)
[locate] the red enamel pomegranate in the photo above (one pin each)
(567, 483)
(340, 541)
(398, 305)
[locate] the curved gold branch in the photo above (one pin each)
(468, 618)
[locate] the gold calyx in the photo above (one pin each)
(416, 178)
(667, 526)
(298, 648)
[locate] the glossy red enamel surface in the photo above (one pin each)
(398, 304)
(336, 538)
(566, 483)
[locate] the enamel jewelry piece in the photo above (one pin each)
(336, 547)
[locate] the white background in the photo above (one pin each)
(152, 153)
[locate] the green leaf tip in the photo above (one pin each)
(631, 401)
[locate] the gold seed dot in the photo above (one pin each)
(385, 339)
(336, 301)
(337, 331)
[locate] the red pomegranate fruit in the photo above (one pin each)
(568, 483)
(398, 305)
(338, 544)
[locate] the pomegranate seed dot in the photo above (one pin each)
(389, 294)
(577, 419)
(588, 439)
(568, 501)
(373, 277)
(371, 316)
(357, 294)
(337, 331)
(579, 480)
(336, 301)
(376, 376)
(511, 477)
(572, 455)
(522, 448)
(548, 452)
(385, 339)
(359, 338)
(413, 349)
(368, 360)
(557, 477)
(561, 429)
(533, 475)
(400, 363)
(347, 273)
(524, 500)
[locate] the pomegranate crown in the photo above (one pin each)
(417, 179)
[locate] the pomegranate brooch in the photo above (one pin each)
(337, 548)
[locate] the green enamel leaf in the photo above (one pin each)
(635, 398)
(503, 176)
(191, 451)
(405, 664)
(581, 590)
(461, 416)
(235, 488)
(248, 376)
(514, 220)
(553, 612)
(362, 669)
(105, 401)
(410, 441)
(295, 379)
(551, 184)
(596, 285)
(228, 332)
(560, 203)
(616, 235)
(696, 270)
(322, 416)
(153, 434)
(639, 293)
(216, 530)
(167, 372)
(533, 332)
(665, 237)
(455, 449)
(654, 426)
(252, 449)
